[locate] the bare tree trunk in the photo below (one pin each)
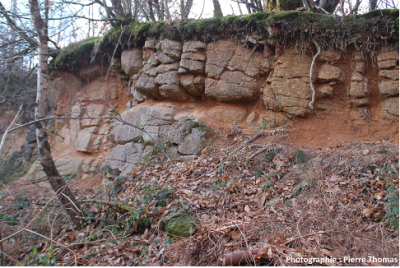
(65, 196)
(217, 9)
(372, 4)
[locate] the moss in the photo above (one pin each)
(393, 13)
(75, 52)
(138, 28)
(228, 19)
(180, 226)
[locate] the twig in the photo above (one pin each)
(311, 104)
(307, 235)
(257, 153)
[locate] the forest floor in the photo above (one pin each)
(260, 201)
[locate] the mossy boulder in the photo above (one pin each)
(182, 225)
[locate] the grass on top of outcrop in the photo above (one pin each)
(367, 32)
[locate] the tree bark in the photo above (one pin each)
(217, 9)
(65, 195)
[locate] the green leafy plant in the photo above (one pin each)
(392, 215)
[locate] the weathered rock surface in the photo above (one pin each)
(234, 86)
(124, 158)
(228, 114)
(193, 84)
(390, 108)
(290, 90)
(171, 48)
(170, 87)
(218, 56)
(329, 73)
(389, 88)
(93, 110)
(148, 87)
(84, 142)
(131, 60)
(150, 118)
(248, 62)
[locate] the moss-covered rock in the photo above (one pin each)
(182, 225)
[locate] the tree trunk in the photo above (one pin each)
(280, 5)
(217, 9)
(65, 195)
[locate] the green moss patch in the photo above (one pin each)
(75, 53)
(182, 225)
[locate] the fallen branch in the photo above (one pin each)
(115, 204)
(239, 257)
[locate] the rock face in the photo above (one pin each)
(233, 86)
(390, 108)
(289, 90)
(152, 119)
(218, 56)
(124, 158)
(131, 61)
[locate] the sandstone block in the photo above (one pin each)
(92, 110)
(171, 48)
(193, 46)
(131, 61)
(191, 144)
(329, 73)
(388, 64)
(390, 108)
(161, 58)
(388, 55)
(175, 92)
(167, 68)
(292, 87)
(218, 56)
(124, 158)
(193, 66)
(293, 66)
(148, 87)
(193, 56)
(389, 74)
(150, 43)
(193, 84)
(389, 88)
(274, 119)
(84, 142)
(232, 87)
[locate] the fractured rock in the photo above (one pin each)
(390, 108)
(193, 84)
(218, 56)
(124, 158)
(234, 86)
(131, 60)
(329, 73)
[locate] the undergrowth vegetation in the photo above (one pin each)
(263, 197)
